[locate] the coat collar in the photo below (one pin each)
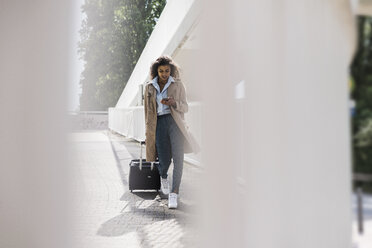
(156, 85)
(171, 88)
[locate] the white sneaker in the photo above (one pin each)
(164, 186)
(172, 200)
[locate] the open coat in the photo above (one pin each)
(177, 91)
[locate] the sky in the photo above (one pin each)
(77, 65)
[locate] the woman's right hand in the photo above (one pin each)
(164, 101)
(169, 101)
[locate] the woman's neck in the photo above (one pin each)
(161, 81)
(161, 84)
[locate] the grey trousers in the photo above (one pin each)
(169, 144)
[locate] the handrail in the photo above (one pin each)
(88, 112)
(361, 177)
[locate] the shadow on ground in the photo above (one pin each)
(145, 213)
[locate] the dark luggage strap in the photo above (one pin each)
(152, 163)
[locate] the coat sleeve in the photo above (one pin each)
(182, 105)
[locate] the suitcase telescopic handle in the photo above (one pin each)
(141, 144)
(152, 163)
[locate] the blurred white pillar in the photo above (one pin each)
(276, 124)
(33, 86)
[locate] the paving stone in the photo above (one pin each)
(107, 214)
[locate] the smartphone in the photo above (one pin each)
(164, 100)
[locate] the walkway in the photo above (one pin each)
(108, 215)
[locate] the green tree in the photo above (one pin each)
(113, 36)
(361, 71)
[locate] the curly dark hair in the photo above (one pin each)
(164, 60)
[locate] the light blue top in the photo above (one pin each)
(162, 108)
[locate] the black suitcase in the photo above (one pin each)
(143, 175)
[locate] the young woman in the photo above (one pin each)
(167, 136)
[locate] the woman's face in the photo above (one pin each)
(164, 72)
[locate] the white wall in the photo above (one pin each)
(280, 161)
(129, 122)
(34, 169)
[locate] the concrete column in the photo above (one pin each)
(34, 199)
(276, 123)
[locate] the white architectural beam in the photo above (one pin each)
(174, 23)
(277, 155)
(34, 169)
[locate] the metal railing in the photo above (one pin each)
(88, 120)
(363, 178)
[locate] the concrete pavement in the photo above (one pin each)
(107, 214)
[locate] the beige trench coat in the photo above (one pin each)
(177, 91)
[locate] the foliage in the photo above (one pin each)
(364, 136)
(113, 36)
(361, 71)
